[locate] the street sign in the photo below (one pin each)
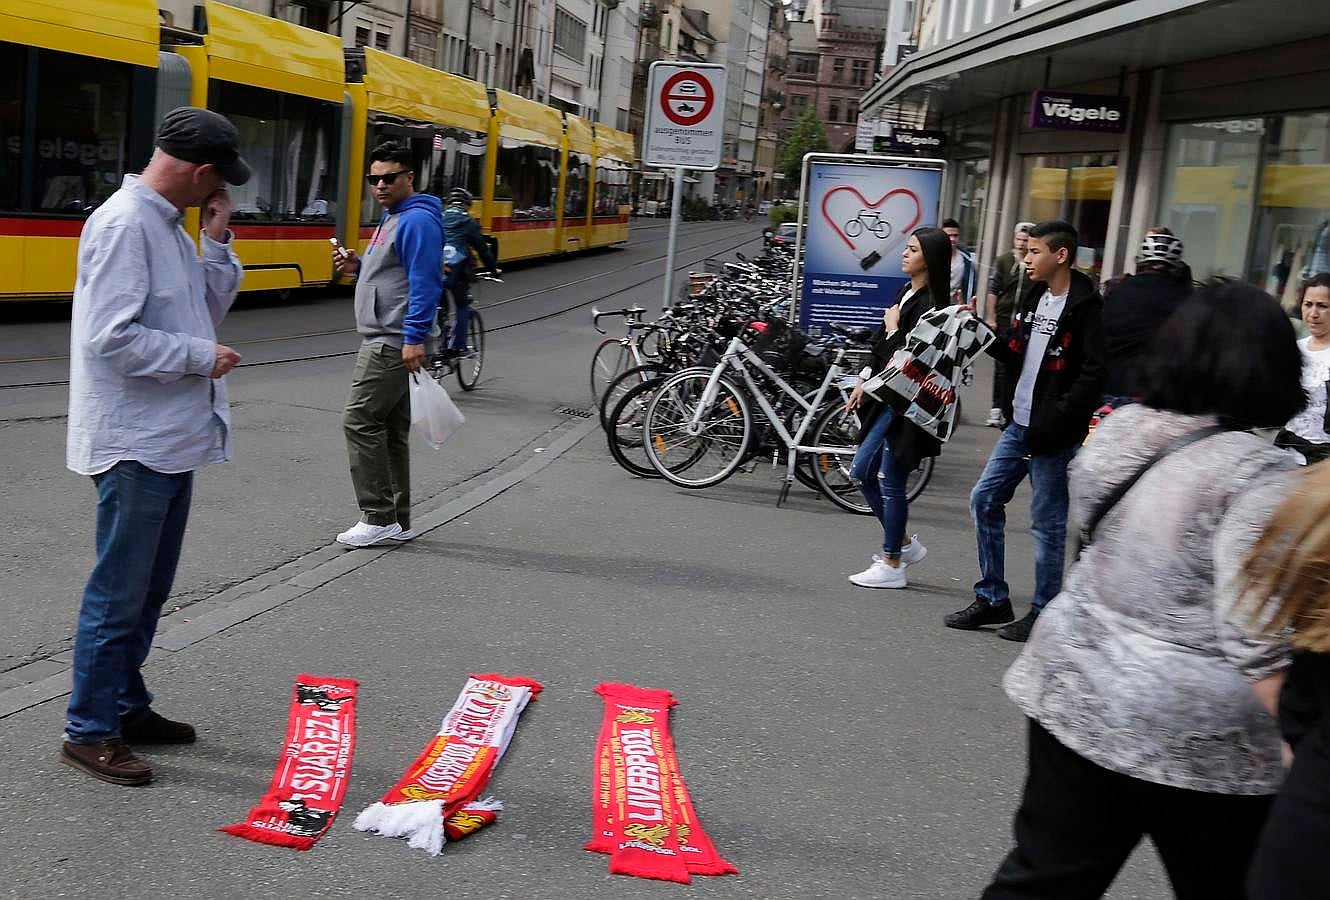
(685, 124)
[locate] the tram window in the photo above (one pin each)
(445, 158)
(11, 123)
(82, 124)
(611, 186)
(528, 175)
(575, 188)
(290, 143)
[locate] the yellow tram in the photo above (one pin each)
(81, 93)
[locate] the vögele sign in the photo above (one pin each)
(1079, 112)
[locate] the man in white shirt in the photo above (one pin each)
(964, 273)
(1056, 346)
(147, 406)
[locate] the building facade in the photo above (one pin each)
(834, 56)
(1210, 118)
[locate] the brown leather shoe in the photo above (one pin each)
(111, 761)
(151, 728)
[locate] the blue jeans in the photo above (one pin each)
(141, 516)
(882, 482)
(460, 291)
(1007, 467)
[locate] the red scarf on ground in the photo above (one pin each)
(643, 815)
(310, 781)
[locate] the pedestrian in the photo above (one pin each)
(1056, 349)
(890, 445)
(1142, 697)
(1137, 307)
(147, 407)
(964, 273)
(398, 286)
(1309, 431)
(1005, 289)
(1286, 590)
(463, 234)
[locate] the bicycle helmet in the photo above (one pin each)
(1161, 251)
(459, 197)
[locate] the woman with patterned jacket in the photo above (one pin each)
(1141, 695)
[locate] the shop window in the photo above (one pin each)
(1291, 242)
(11, 123)
(575, 186)
(1076, 187)
(291, 144)
(444, 158)
(1209, 187)
(528, 175)
(971, 191)
(82, 123)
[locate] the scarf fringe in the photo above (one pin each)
(421, 822)
(264, 836)
(657, 870)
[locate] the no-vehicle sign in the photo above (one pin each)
(685, 124)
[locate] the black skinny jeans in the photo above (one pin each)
(1078, 822)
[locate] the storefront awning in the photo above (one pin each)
(1077, 41)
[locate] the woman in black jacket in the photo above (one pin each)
(891, 446)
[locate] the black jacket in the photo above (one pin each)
(1070, 384)
(908, 442)
(1134, 312)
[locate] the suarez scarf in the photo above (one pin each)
(310, 781)
(643, 815)
(438, 798)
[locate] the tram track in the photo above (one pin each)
(654, 275)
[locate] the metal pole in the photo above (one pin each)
(675, 206)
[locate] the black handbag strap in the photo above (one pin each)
(1173, 446)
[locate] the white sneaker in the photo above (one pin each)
(994, 418)
(403, 536)
(880, 575)
(363, 534)
(911, 554)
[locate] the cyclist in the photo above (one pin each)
(461, 236)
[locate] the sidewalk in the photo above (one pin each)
(839, 742)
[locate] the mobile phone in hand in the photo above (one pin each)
(338, 249)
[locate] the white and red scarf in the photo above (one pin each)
(439, 797)
(310, 780)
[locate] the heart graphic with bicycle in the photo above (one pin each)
(871, 229)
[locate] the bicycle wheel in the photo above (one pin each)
(623, 431)
(610, 360)
(472, 358)
(854, 228)
(837, 428)
(624, 383)
(714, 448)
(917, 480)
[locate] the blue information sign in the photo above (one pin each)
(859, 217)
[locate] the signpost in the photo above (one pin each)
(685, 129)
(855, 214)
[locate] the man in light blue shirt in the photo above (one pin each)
(147, 406)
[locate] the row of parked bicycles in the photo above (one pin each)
(720, 382)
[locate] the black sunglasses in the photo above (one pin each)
(387, 177)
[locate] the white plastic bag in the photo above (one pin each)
(433, 413)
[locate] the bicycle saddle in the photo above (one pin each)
(856, 333)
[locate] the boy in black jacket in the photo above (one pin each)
(1055, 361)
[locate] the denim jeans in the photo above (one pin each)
(141, 516)
(882, 482)
(460, 291)
(1007, 467)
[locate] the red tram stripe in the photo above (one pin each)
(24, 227)
(503, 223)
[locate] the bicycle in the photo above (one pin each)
(616, 355)
(468, 361)
(870, 220)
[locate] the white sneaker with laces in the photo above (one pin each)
(363, 534)
(914, 552)
(880, 575)
(994, 418)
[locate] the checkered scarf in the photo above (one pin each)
(925, 372)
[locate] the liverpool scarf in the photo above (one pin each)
(438, 798)
(643, 814)
(310, 781)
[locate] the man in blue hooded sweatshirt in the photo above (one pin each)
(398, 284)
(462, 234)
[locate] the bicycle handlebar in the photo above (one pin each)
(631, 312)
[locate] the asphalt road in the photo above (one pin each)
(839, 743)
